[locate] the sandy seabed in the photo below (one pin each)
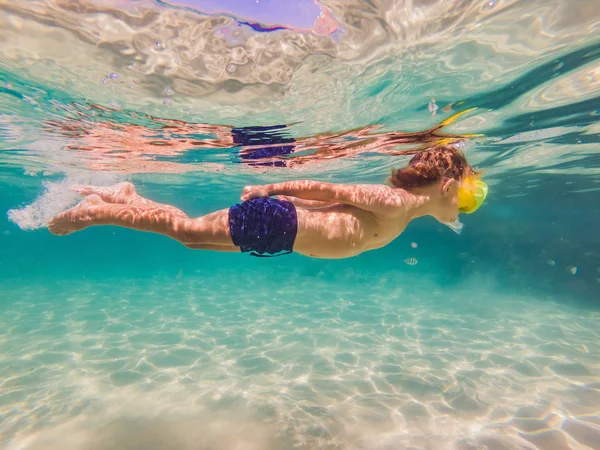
(197, 363)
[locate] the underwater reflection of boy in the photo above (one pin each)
(322, 220)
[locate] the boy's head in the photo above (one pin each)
(445, 175)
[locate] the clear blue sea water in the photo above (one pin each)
(117, 339)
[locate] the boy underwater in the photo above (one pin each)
(316, 219)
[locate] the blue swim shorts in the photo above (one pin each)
(264, 225)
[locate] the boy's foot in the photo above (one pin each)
(76, 218)
(119, 193)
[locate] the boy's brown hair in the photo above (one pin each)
(426, 168)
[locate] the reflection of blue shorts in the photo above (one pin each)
(263, 225)
(264, 136)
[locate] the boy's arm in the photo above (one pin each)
(370, 197)
(303, 203)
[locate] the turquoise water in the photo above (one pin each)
(112, 338)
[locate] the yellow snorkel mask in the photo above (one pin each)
(471, 194)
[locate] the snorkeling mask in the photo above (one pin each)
(471, 194)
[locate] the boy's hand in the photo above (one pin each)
(251, 192)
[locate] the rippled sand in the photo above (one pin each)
(261, 363)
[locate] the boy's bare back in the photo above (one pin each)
(342, 231)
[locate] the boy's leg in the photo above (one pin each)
(208, 232)
(123, 193)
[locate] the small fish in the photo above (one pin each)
(413, 245)
(411, 261)
(551, 262)
(573, 270)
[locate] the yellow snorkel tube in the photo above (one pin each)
(471, 194)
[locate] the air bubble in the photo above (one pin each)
(113, 76)
(103, 81)
(489, 4)
(167, 101)
(231, 68)
(432, 107)
(168, 91)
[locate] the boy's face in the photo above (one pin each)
(447, 210)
